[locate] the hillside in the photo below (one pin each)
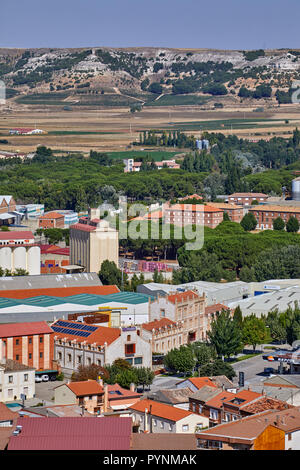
(146, 76)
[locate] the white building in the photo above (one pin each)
(15, 380)
(154, 417)
(77, 344)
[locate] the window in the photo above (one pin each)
(29, 340)
(128, 337)
(162, 425)
(79, 359)
(10, 392)
(30, 355)
(60, 356)
(194, 407)
(41, 339)
(170, 427)
(213, 414)
(69, 357)
(17, 357)
(185, 427)
(129, 349)
(25, 377)
(41, 354)
(154, 422)
(289, 436)
(17, 342)
(10, 379)
(138, 360)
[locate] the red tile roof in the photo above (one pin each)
(156, 324)
(265, 403)
(6, 414)
(218, 400)
(70, 433)
(58, 291)
(182, 296)
(100, 336)
(161, 410)
(15, 235)
(120, 393)
(215, 308)
(248, 195)
(192, 207)
(199, 382)
(52, 215)
(8, 330)
(245, 395)
(85, 387)
(83, 227)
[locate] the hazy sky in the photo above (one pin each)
(222, 24)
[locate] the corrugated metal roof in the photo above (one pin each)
(50, 281)
(73, 434)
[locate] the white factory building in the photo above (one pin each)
(18, 251)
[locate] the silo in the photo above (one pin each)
(34, 260)
(5, 258)
(296, 189)
(19, 258)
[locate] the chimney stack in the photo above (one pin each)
(132, 387)
(105, 406)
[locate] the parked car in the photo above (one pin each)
(38, 379)
(268, 371)
(45, 378)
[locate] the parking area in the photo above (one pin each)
(44, 391)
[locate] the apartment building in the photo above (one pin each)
(187, 309)
(192, 214)
(235, 212)
(246, 199)
(30, 344)
(266, 214)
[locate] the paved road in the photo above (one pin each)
(253, 369)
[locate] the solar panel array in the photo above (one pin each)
(76, 325)
(73, 329)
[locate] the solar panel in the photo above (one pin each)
(89, 328)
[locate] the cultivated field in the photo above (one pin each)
(113, 129)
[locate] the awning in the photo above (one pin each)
(6, 216)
